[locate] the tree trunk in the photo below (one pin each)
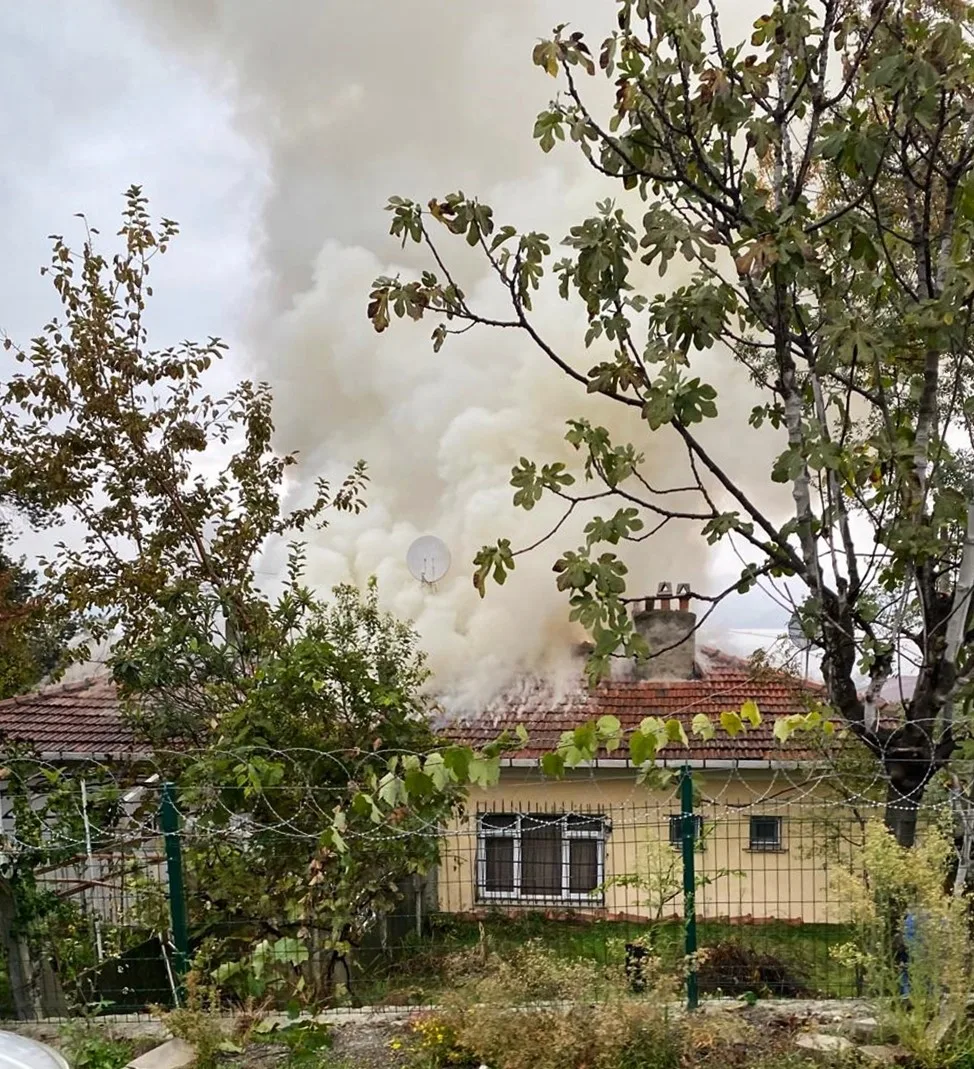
(20, 972)
(901, 813)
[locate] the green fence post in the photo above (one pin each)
(169, 818)
(689, 830)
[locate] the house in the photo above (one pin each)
(112, 884)
(80, 726)
(595, 842)
(72, 722)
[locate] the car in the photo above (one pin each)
(19, 1052)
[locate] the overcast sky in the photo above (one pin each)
(272, 133)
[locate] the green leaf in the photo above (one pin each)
(675, 732)
(553, 765)
(485, 772)
(783, 728)
(585, 738)
(457, 759)
(392, 791)
(702, 726)
(642, 748)
(418, 784)
(608, 726)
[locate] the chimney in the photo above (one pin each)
(664, 626)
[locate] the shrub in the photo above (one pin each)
(922, 982)
(734, 969)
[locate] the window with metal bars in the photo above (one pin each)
(765, 833)
(676, 829)
(540, 856)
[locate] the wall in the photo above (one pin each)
(792, 884)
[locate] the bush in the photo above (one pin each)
(734, 969)
(921, 982)
(87, 1046)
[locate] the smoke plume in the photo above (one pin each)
(351, 102)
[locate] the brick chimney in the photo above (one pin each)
(664, 625)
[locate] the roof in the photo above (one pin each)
(81, 720)
(84, 719)
(723, 683)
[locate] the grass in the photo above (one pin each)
(412, 972)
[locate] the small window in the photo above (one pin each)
(676, 829)
(540, 856)
(765, 833)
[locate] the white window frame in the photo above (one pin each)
(568, 834)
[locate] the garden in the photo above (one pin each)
(769, 959)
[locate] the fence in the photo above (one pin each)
(738, 893)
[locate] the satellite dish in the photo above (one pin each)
(428, 559)
(798, 635)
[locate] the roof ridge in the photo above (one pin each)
(54, 689)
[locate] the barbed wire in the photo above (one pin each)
(117, 802)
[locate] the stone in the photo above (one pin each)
(863, 1029)
(714, 1006)
(175, 1054)
(885, 1054)
(823, 1043)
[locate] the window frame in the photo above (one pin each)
(677, 843)
(598, 833)
(766, 846)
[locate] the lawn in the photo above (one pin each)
(797, 957)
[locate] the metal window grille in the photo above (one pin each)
(540, 857)
(765, 833)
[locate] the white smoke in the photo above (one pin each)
(352, 102)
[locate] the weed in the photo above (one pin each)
(200, 1022)
(306, 1041)
(913, 941)
(87, 1046)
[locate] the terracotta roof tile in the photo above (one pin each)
(85, 718)
(82, 718)
(724, 683)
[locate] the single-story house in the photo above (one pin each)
(595, 841)
(80, 725)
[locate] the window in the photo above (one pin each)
(765, 833)
(676, 829)
(540, 856)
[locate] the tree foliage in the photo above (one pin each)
(288, 721)
(33, 638)
(817, 178)
(175, 493)
(318, 798)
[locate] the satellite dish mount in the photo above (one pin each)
(428, 560)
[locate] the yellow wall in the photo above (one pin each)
(793, 884)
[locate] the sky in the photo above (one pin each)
(273, 134)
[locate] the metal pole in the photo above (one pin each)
(689, 886)
(169, 818)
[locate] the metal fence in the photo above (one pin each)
(735, 894)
